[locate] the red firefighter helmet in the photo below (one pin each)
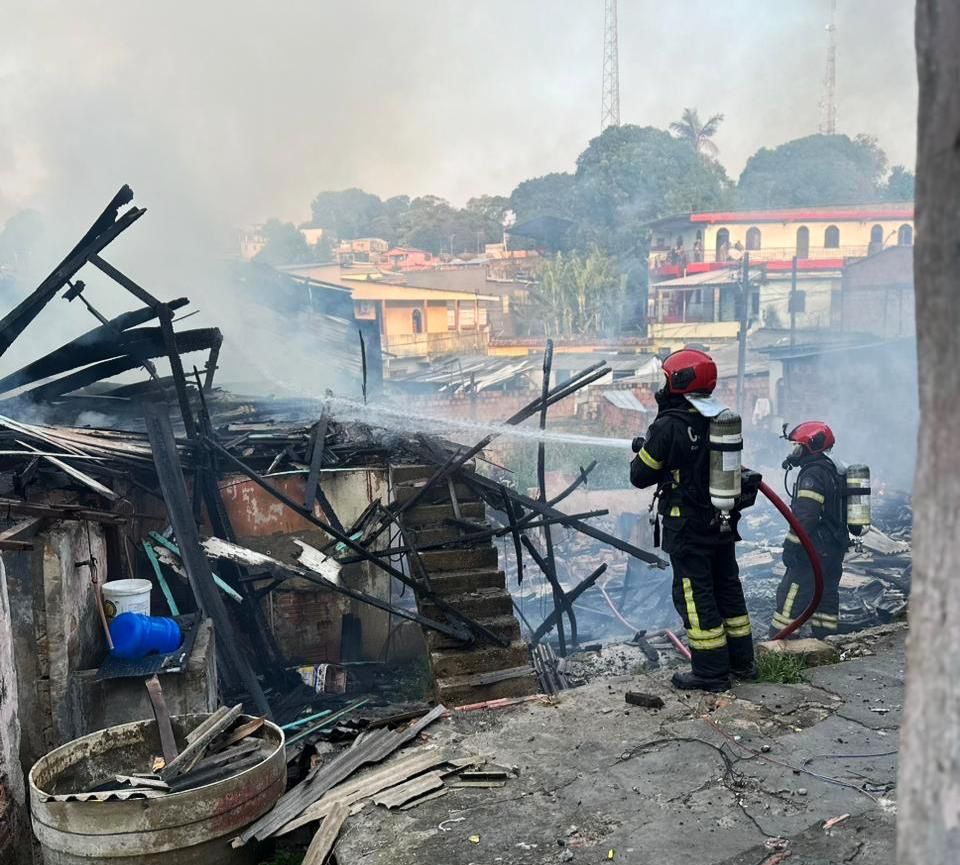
(814, 436)
(690, 371)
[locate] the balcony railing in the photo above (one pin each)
(682, 258)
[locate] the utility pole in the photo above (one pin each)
(828, 101)
(793, 302)
(610, 98)
(742, 336)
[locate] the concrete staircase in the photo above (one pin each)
(470, 579)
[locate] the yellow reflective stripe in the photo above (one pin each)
(792, 538)
(692, 613)
(649, 461)
(780, 621)
(676, 475)
(738, 626)
(791, 597)
(674, 511)
(810, 494)
(703, 645)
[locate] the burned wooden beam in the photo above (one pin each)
(582, 527)
(108, 226)
(170, 474)
(313, 491)
(456, 462)
(447, 608)
(101, 343)
(220, 549)
(60, 512)
(570, 597)
(550, 570)
(149, 344)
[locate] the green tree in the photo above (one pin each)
(490, 208)
(285, 244)
(900, 185)
(347, 213)
(550, 195)
(816, 170)
(630, 175)
(579, 295)
(433, 224)
(698, 134)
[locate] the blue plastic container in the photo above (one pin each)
(135, 636)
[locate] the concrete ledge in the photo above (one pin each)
(814, 652)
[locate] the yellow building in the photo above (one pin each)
(820, 237)
(414, 321)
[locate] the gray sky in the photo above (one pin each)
(220, 113)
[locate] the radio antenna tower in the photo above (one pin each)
(828, 102)
(610, 100)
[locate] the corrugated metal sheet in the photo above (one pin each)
(625, 399)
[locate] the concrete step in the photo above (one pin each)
(460, 560)
(506, 627)
(464, 662)
(425, 515)
(404, 474)
(477, 605)
(452, 583)
(439, 493)
(456, 692)
(438, 534)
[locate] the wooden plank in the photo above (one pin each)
(139, 781)
(326, 836)
(368, 785)
(311, 558)
(236, 669)
(195, 749)
(243, 731)
(206, 724)
(371, 748)
(414, 803)
(168, 743)
(394, 797)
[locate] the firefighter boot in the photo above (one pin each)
(692, 682)
(747, 674)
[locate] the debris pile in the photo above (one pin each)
(195, 752)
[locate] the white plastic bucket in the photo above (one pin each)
(126, 596)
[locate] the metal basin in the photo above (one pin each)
(193, 827)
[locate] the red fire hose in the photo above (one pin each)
(811, 552)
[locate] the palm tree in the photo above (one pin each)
(697, 134)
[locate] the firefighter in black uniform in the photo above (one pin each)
(819, 506)
(707, 593)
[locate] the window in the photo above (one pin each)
(451, 315)
(831, 237)
(467, 317)
(723, 244)
(876, 236)
(483, 316)
(417, 317)
(905, 235)
(803, 242)
(753, 238)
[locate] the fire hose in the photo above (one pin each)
(811, 552)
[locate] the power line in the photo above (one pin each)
(610, 99)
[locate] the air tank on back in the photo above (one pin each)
(726, 445)
(858, 498)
